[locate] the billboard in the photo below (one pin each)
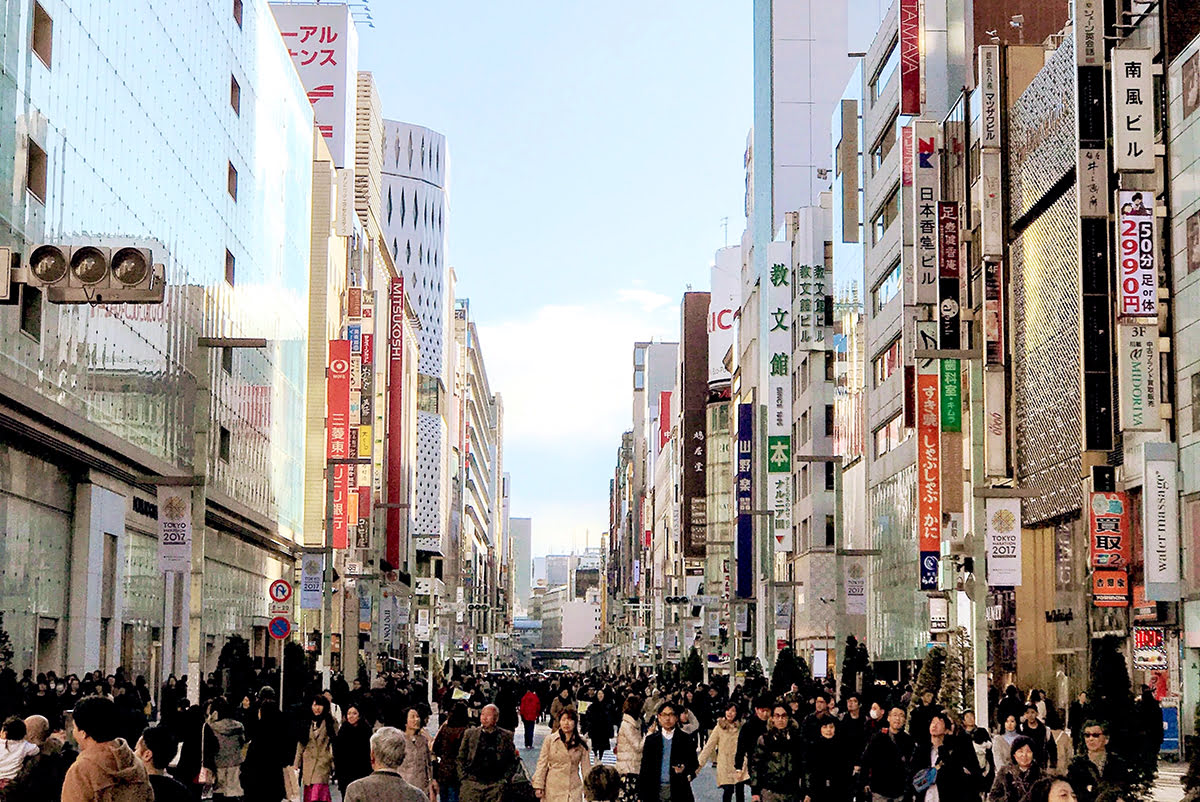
(724, 303)
(1160, 521)
(1133, 109)
(323, 44)
(926, 189)
(337, 389)
(1137, 252)
(910, 57)
(395, 433)
(744, 495)
(693, 472)
(174, 529)
(779, 393)
(1003, 536)
(1108, 530)
(929, 470)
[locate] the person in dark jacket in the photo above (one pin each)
(751, 731)
(1044, 750)
(1014, 781)
(445, 751)
(598, 724)
(827, 766)
(811, 728)
(941, 751)
(1149, 713)
(272, 746)
(1096, 770)
(922, 714)
(777, 765)
(668, 760)
(885, 761)
(352, 747)
(156, 748)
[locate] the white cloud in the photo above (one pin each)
(566, 371)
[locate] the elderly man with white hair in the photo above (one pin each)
(487, 759)
(385, 784)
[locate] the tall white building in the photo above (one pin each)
(522, 559)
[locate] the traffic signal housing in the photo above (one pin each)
(95, 274)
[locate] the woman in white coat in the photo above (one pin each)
(629, 749)
(563, 762)
(723, 744)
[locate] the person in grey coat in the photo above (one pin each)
(385, 784)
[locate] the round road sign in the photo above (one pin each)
(279, 627)
(280, 590)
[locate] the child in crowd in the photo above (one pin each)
(14, 749)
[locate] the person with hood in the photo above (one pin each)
(106, 770)
(629, 749)
(531, 708)
(777, 764)
(231, 737)
(1016, 779)
(563, 762)
(722, 744)
(352, 747)
(314, 753)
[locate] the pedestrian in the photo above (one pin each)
(486, 759)
(1002, 742)
(531, 708)
(952, 778)
(314, 752)
(1044, 750)
(1016, 779)
(560, 703)
(156, 748)
(1076, 716)
(417, 767)
(1150, 719)
(14, 749)
(777, 764)
(270, 752)
(978, 742)
(231, 738)
(602, 784)
(811, 728)
(563, 762)
(385, 783)
(445, 752)
(106, 770)
(748, 737)
(1095, 770)
(1052, 789)
(197, 766)
(629, 748)
(885, 762)
(723, 744)
(598, 721)
(828, 768)
(41, 778)
(352, 747)
(668, 760)
(922, 714)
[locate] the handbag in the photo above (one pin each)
(205, 775)
(518, 787)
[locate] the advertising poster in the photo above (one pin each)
(1160, 522)
(1137, 249)
(312, 570)
(1137, 378)
(1003, 544)
(1109, 530)
(174, 529)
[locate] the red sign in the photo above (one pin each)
(1110, 588)
(1108, 531)
(910, 57)
(929, 466)
(664, 419)
(337, 389)
(395, 434)
(354, 302)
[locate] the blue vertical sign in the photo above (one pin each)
(744, 492)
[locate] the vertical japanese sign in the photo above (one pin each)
(925, 196)
(1137, 252)
(779, 394)
(1003, 540)
(174, 529)
(1160, 521)
(337, 386)
(744, 495)
(949, 315)
(1132, 107)
(906, 156)
(395, 432)
(323, 44)
(929, 463)
(1089, 32)
(910, 57)
(993, 313)
(725, 280)
(693, 354)
(1137, 377)
(664, 419)
(366, 440)
(1108, 531)
(1092, 169)
(1110, 588)
(989, 96)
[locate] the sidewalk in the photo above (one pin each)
(1167, 787)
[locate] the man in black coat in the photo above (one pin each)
(750, 732)
(885, 761)
(942, 751)
(668, 761)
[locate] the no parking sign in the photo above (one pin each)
(279, 627)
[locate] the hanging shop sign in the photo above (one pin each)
(1108, 515)
(925, 197)
(1132, 107)
(991, 209)
(995, 422)
(1137, 377)
(1003, 537)
(1137, 255)
(910, 57)
(939, 614)
(993, 313)
(989, 96)
(1149, 648)
(395, 420)
(929, 469)
(779, 381)
(1160, 521)
(1089, 33)
(174, 529)
(312, 575)
(1110, 588)
(744, 494)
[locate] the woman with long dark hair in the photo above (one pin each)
(445, 752)
(722, 744)
(558, 776)
(314, 753)
(352, 747)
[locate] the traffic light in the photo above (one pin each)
(96, 274)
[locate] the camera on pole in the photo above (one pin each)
(94, 274)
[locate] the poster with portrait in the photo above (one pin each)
(1191, 84)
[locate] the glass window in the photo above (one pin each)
(829, 531)
(230, 267)
(887, 69)
(232, 181)
(237, 12)
(227, 359)
(224, 444)
(35, 171)
(887, 363)
(829, 468)
(888, 211)
(31, 311)
(890, 435)
(829, 420)
(886, 289)
(42, 40)
(235, 95)
(883, 146)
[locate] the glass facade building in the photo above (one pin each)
(185, 127)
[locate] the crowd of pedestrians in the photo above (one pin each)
(616, 738)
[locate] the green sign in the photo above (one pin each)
(951, 395)
(779, 453)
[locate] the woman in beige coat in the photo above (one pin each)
(629, 749)
(557, 777)
(314, 753)
(723, 744)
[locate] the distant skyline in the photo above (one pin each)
(595, 151)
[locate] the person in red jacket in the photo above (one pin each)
(531, 708)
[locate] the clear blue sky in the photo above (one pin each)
(594, 150)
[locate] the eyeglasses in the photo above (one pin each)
(1092, 734)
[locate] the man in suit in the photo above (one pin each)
(668, 760)
(487, 757)
(385, 784)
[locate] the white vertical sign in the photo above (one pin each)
(925, 198)
(724, 301)
(779, 323)
(312, 579)
(174, 529)
(1133, 109)
(995, 424)
(1089, 33)
(1003, 541)
(856, 588)
(989, 95)
(1137, 378)
(991, 210)
(1160, 521)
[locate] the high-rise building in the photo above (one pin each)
(522, 560)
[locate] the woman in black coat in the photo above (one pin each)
(352, 748)
(271, 748)
(598, 722)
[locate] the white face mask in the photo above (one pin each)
(875, 712)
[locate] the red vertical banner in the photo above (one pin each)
(1109, 531)
(337, 429)
(910, 57)
(929, 479)
(664, 419)
(395, 433)
(906, 156)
